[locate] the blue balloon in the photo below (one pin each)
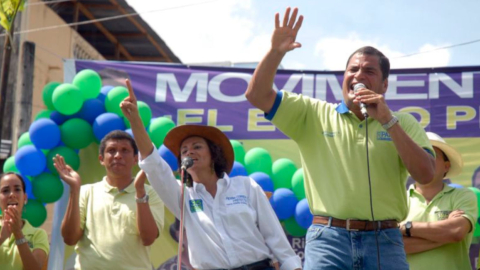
(238, 169)
(284, 203)
(91, 109)
(28, 188)
(59, 118)
(30, 161)
(169, 157)
(455, 185)
(44, 133)
(105, 123)
(103, 93)
(130, 132)
(263, 180)
(302, 214)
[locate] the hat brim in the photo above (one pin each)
(456, 161)
(177, 135)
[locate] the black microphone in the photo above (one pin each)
(187, 162)
(363, 106)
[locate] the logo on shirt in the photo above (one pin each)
(196, 206)
(442, 215)
(239, 199)
(383, 136)
(330, 134)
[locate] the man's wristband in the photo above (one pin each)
(390, 123)
(21, 241)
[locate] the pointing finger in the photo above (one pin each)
(130, 90)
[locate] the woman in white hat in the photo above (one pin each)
(229, 221)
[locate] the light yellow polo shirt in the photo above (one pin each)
(331, 140)
(10, 257)
(449, 256)
(111, 239)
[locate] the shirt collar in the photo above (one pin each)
(197, 186)
(108, 188)
(342, 108)
(446, 189)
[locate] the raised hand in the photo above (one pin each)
(66, 173)
(5, 232)
(14, 222)
(129, 104)
(140, 180)
(284, 36)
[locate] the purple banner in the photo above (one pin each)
(444, 100)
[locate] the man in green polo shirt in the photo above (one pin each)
(356, 205)
(439, 227)
(112, 223)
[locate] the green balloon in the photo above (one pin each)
(238, 151)
(476, 232)
(292, 228)
(67, 99)
(145, 112)
(24, 140)
(114, 98)
(47, 187)
(258, 160)
(89, 83)
(9, 165)
(35, 213)
(298, 186)
(76, 133)
(282, 172)
(71, 158)
(159, 128)
(43, 114)
(47, 94)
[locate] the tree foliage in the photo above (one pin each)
(8, 12)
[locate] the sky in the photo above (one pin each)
(206, 31)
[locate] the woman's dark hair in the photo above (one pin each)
(218, 159)
(17, 175)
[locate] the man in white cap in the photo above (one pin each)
(441, 219)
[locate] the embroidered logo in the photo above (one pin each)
(239, 199)
(196, 206)
(330, 134)
(383, 136)
(442, 215)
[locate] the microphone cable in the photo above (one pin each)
(370, 191)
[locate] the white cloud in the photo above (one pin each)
(209, 32)
(332, 53)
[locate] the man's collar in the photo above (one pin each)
(446, 189)
(109, 188)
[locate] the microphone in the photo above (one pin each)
(363, 106)
(187, 162)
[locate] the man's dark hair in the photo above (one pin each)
(475, 174)
(218, 159)
(17, 175)
(382, 59)
(117, 135)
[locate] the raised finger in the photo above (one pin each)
(298, 24)
(292, 20)
(285, 17)
(130, 90)
(277, 20)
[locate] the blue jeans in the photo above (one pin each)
(336, 248)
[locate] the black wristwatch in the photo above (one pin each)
(408, 226)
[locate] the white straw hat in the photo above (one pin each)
(456, 161)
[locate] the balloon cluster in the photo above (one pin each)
(76, 115)
(280, 177)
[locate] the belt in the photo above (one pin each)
(355, 224)
(260, 265)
